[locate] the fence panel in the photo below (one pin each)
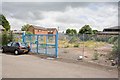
(43, 43)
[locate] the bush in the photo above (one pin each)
(10, 37)
(6, 38)
(74, 40)
(76, 45)
(115, 51)
(66, 46)
(95, 55)
(112, 39)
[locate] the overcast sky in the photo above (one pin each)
(64, 15)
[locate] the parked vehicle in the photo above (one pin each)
(16, 48)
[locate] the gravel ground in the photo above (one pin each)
(74, 53)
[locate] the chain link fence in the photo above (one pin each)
(98, 48)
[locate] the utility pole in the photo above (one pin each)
(58, 28)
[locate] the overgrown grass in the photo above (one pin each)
(89, 44)
(76, 45)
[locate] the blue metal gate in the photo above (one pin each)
(42, 43)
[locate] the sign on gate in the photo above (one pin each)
(42, 43)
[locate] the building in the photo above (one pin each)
(37, 30)
(110, 31)
(41, 30)
(51, 30)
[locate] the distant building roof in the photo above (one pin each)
(38, 27)
(42, 28)
(115, 27)
(112, 29)
(51, 29)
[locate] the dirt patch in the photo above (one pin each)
(74, 53)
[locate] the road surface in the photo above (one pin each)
(29, 66)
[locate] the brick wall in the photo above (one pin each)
(40, 31)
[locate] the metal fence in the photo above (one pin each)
(90, 46)
(17, 37)
(42, 43)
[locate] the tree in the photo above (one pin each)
(25, 27)
(68, 31)
(85, 30)
(5, 34)
(95, 31)
(71, 32)
(4, 22)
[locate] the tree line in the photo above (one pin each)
(86, 29)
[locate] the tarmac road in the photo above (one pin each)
(29, 66)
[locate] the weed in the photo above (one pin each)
(95, 55)
(67, 46)
(76, 45)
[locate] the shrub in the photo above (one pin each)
(74, 40)
(115, 51)
(95, 55)
(4, 38)
(76, 45)
(66, 46)
(10, 37)
(112, 39)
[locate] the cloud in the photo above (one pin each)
(61, 0)
(62, 14)
(99, 17)
(16, 24)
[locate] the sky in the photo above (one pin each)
(98, 15)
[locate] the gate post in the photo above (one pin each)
(56, 45)
(46, 51)
(23, 37)
(37, 43)
(30, 42)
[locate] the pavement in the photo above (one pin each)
(29, 66)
